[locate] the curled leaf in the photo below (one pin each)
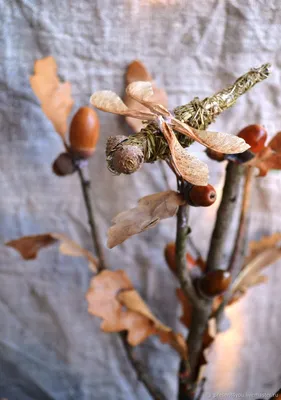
(29, 246)
(189, 167)
(113, 298)
(55, 97)
(138, 72)
(149, 211)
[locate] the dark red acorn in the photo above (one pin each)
(200, 196)
(63, 165)
(214, 283)
(84, 132)
(215, 155)
(255, 136)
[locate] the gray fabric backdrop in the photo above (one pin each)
(50, 348)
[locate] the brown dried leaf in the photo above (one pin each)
(263, 253)
(149, 211)
(138, 72)
(190, 168)
(269, 157)
(29, 246)
(112, 297)
(275, 143)
(55, 97)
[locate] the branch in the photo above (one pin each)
(137, 366)
(231, 191)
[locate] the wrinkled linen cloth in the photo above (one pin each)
(50, 347)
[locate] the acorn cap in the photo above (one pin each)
(126, 159)
(63, 165)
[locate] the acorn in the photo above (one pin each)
(63, 165)
(84, 132)
(214, 283)
(215, 155)
(255, 136)
(200, 196)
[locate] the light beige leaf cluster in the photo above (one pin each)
(141, 93)
(29, 246)
(54, 96)
(149, 211)
(262, 254)
(112, 297)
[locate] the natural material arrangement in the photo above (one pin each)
(206, 287)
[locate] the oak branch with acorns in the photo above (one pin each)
(158, 134)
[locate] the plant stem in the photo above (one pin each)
(137, 366)
(86, 190)
(217, 251)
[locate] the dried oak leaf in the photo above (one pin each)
(262, 254)
(137, 72)
(149, 211)
(29, 246)
(54, 96)
(112, 297)
(269, 157)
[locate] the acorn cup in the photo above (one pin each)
(84, 133)
(199, 196)
(214, 283)
(63, 165)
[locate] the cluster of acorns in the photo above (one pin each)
(83, 138)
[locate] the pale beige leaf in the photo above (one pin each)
(55, 97)
(218, 141)
(190, 168)
(266, 242)
(111, 296)
(149, 211)
(137, 72)
(29, 246)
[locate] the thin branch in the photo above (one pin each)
(137, 366)
(140, 371)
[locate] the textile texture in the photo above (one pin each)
(50, 347)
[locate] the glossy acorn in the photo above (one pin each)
(255, 136)
(214, 283)
(215, 155)
(84, 132)
(200, 196)
(63, 165)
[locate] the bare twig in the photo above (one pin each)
(137, 366)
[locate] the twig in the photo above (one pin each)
(140, 371)
(240, 246)
(217, 250)
(86, 187)
(137, 366)
(202, 387)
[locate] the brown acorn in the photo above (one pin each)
(84, 132)
(63, 165)
(215, 155)
(214, 283)
(200, 196)
(255, 136)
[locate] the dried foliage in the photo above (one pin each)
(112, 297)
(54, 96)
(138, 72)
(29, 246)
(149, 211)
(269, 157)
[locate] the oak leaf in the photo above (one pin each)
(262, 254)
(269, 157)
(112, 297)
(149, 211)
(54, 96)
(29, 246)
(137, 72)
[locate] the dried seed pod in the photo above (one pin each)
(255, 136)
(200, 196)
(214, 283)
(215, 155)
(113, 142)
(63, 165)
(126, 159)
(84, 132)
